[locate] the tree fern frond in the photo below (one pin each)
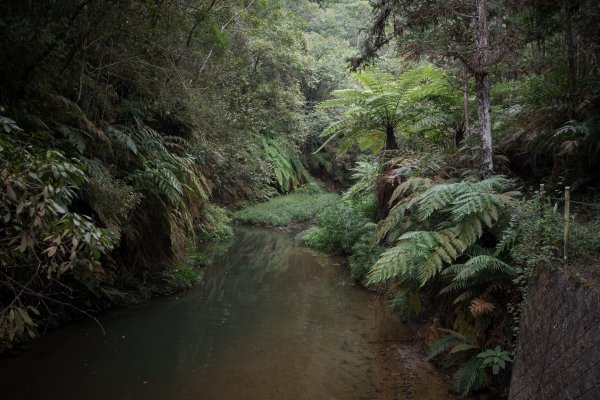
(477, 265)
(436, 198)
(469, 229)
(412, 185)
(481, 306)
(394, 263)
(417, 254)
(391, 222)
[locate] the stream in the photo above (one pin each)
(272, 320)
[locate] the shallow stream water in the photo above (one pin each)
(272, 320)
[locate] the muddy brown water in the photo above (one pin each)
(273, 320)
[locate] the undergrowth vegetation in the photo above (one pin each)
(299, 205)
(422, 225)
(462, 250)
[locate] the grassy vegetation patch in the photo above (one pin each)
(300, 205)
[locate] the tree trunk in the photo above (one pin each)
(485, 122)
(466, 110)
(570, 45)
(482, 81)
(390, 139)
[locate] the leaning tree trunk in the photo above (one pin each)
(482, 81)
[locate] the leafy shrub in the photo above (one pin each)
(215, 224)
(535, 237)
(318, 238)
(56, 250)
(339, 227)
(347, 228)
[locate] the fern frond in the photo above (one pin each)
(393, 263)
(436, 198)
(470, 376)
(481, 306)
(477, 265)
(391, 222)
(442, 345)
(411, 186)
(122, 139)
(477, 272)
(417, 255)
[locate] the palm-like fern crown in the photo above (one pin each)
(384, 101)
(454, 216)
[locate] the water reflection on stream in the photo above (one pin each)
(272, 321)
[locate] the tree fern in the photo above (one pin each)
(385, 105)
(455, 214)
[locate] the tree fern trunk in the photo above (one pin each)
(390, 139)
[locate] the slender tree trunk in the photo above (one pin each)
(390, 139)
(466, 110)
(485, 122)
(482, 81)
(570, 45)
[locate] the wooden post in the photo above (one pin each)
(567, 219)
(542, 196)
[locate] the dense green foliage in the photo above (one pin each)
(449, 243)
(125, 123)
(387, 105)
(346, 227)
(298, 206)
(127, 126)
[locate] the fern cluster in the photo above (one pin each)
(439, 235)
(454, 215)
(288, 170)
